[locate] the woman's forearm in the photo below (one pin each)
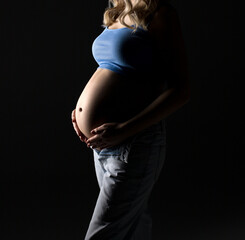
(164, 105)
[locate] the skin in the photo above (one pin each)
(157, 103)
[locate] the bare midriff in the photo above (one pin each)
(110, 97)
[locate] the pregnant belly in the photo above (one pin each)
(109, 97)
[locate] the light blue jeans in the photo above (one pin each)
(126, 174)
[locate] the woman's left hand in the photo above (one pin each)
(107, 135)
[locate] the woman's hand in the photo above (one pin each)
(76, 128)
(107, 135)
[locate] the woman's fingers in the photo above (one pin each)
(83, 138)
(94, 139)
(79, 133)
(76, 128)
(73, 115)
(100, 128)
(74, 122)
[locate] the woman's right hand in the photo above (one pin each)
(76, 128)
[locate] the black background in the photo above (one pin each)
(48, 183)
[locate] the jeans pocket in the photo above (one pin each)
(119, 152)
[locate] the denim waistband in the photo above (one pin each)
(156, 131)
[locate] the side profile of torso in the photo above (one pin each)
(124, 83)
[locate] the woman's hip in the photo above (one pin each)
(140, 154)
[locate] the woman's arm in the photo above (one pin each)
(169, 39)
(167, 103)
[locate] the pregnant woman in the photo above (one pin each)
(142, 78)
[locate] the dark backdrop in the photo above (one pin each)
(48, 183)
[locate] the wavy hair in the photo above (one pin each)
(137, 13)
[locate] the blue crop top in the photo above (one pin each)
(124, 51)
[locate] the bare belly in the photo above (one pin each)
(109, 97)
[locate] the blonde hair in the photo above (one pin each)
(137, 13)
